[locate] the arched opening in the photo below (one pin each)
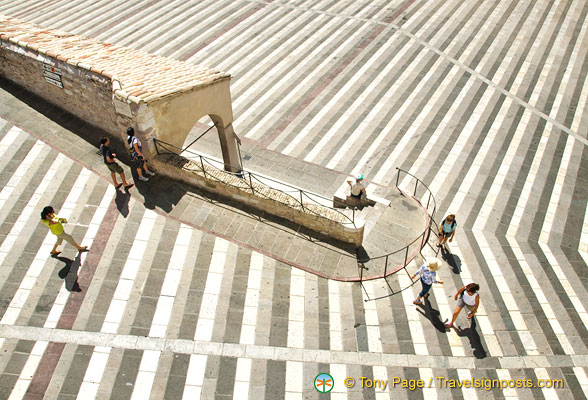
(205, 140)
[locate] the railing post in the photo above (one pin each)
(397, 176)
(406, 255)
(428, 201)
(202, 165)
(301, 203)
(386, 266)
(416, 184)
(251, 184)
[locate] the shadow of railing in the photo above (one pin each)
(387, 266)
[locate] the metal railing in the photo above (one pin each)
(259, 185)
(387, 264)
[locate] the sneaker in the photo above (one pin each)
(144, 179)
(150, 173)
(449, 326)
(417, 303)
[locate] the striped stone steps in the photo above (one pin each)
(147, 304)
(483, 101)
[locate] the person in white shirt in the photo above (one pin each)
(428, 273)
(468, 297)
(357, 189)
(137, 155)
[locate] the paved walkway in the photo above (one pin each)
(388, 230)
(484, 101)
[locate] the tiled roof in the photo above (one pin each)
(142, 76)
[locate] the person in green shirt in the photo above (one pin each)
(55, 225)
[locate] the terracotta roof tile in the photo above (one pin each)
(142, 75)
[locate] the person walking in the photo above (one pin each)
(137, 155)
(468, 297)
(428, 273)
(110, 161)
(447, 229)
(55, 224)
(357, 189)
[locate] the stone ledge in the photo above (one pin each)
(319, 218)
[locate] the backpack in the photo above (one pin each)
(132, 151)
(453, 224)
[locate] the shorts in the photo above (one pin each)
(138, 161)
(65, 236)
(443, 233)
(114, 167)
(462, 304)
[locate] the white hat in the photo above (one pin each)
(359, 177)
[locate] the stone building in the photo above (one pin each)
(114, 87)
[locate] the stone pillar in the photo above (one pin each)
(230, 147)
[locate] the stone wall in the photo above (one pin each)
(85, 93)
(218, 181)
(97, 98)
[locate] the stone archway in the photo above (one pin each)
(114, 87)
(170, 119)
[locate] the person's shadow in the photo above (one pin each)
(69, 273)
(472, 334)
(122, 202)
(452, 259)
(432, 315)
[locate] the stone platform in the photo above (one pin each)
(391, 231)
(387, 228)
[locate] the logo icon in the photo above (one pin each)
(323, 383)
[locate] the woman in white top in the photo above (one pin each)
(468, 297)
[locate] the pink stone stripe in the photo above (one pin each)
(327, 81)
(400, 10)
(52, 354)
(227, 28)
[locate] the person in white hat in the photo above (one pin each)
(428, 273)
(357, 189)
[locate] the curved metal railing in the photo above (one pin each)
(385, 264)
(260, 185)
